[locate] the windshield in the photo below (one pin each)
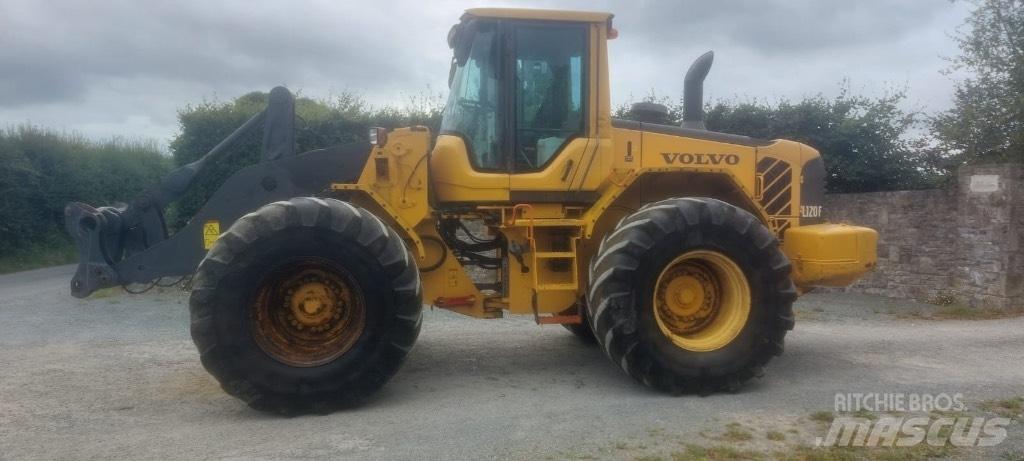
(472, 108)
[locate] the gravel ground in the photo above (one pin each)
(116, 376)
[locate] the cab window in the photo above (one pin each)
(473, 110)
(549, 91)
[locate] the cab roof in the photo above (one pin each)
(536, 14)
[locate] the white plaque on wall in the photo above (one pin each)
(984, 183)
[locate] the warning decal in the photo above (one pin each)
(211, 230)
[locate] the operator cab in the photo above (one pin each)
(548, 93)
(521, 108)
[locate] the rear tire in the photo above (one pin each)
(732, 327)
(305, 306)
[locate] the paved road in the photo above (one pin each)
(116, 376)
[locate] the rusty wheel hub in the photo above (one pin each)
(308, 313)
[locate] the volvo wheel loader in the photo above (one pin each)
(678, 250)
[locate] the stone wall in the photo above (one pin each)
(959, 244)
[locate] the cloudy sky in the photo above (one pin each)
(122, 68)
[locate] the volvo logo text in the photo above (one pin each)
(700, 159)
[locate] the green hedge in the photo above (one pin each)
(41, 170)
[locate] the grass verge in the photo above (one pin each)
(804, 453)
(1010, 408)
(920, 452)
(51, 251)
(961, 312)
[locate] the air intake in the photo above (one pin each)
(650, 112)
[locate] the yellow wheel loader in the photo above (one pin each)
(678, 250)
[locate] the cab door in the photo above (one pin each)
(548, 121)
(469, 162)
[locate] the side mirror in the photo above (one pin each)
(460, 40)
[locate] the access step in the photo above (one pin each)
(573, 319)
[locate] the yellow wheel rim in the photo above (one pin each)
(701, 300)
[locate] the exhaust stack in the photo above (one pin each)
(693, 91)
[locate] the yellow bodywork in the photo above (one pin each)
(538, 14)
(830, 254)
(555, 217)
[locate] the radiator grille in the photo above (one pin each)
(776, 191)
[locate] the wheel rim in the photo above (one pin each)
(308, 313)
(701, 300)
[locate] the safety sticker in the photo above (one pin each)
(211, 230)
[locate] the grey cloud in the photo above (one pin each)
(99, 65)
(36, 81)
(189, 41)
(791, 26)
(767, 26)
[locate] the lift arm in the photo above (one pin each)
(130, 243)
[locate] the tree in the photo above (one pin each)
(865, 142)
(19, 184)
(986, 123)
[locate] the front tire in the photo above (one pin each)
(691, 295)
(305, 306)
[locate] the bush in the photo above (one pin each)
(41, 170)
